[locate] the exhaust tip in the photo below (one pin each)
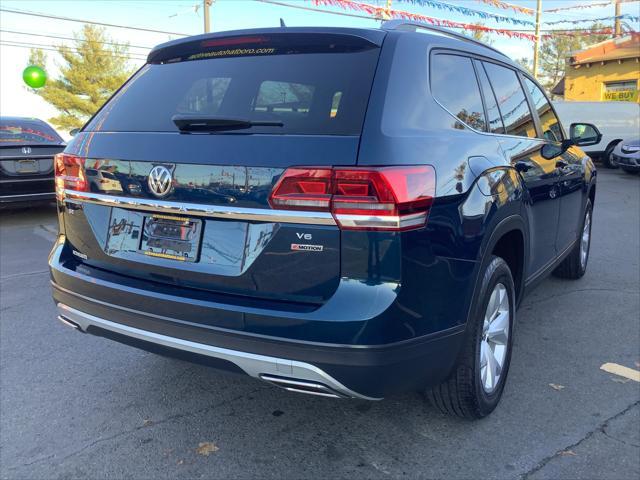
(301, 386)
(69, 323)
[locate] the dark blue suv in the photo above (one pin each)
(340, 212)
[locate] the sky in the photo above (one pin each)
(180, 16)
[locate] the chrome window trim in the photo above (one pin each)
(460, 53)
(199, 210)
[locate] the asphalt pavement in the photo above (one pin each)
(78, 406)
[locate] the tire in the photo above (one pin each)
(464, 393)
(606, 156)
(574, 266)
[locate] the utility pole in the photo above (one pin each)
(207, 21)
(617, 27)
(385, 15)
(536, 47)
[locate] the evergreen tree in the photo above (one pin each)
(94, 67)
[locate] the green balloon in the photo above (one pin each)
(34, 76)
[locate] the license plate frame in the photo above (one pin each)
(27, 165)
(171, 238)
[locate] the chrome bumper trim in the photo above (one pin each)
(198, 210)
(252, 364)
(27, 196)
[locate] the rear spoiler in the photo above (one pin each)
(291, 40)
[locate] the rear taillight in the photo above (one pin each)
(387, 198)
(70, 174)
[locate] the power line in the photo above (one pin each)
(74, 39)
(53, 48)
(312, 9)
(69, 19)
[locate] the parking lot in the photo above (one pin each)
(76, 406)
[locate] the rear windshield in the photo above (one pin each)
(27, 132)
(323, 90)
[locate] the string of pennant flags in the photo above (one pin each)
(579, 6)
(508, 6)
(383, 13)
(469, 11)
(625, 16)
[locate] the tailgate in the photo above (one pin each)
(151, 200)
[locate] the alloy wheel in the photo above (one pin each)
(495, 338)
(585, 239)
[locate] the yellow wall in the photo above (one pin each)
(587, 84)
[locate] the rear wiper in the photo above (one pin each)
(210, 123)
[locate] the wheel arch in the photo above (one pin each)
(505, 230)
(509, 241)
(612, 144)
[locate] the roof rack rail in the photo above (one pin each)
(413, 26)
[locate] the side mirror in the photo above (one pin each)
(74, 132)
(584, 134)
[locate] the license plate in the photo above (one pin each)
(27, 166)
(173, 238)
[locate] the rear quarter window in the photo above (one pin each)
(454, 86)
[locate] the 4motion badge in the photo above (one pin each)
(306, 248)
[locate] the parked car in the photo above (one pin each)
(615, 120)
(627, 155)
(417, 183)
(27, 147)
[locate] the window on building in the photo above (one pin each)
(454, 85)
(623, 91)
(516, 115)
(548, 120)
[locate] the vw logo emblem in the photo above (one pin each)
(26, 150)
(160, 180)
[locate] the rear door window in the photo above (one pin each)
(493, 112)
(516, 115)
(321, 87)
(548, 120)
(454, 86)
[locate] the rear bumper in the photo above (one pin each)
(30, 188)
(329, 369)
(291, 374)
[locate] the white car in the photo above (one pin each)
(615, 120)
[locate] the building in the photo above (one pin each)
(606, 71)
